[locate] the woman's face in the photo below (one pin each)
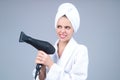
(64, 29)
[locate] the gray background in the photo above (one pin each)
(99, 31)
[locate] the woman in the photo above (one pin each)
(70, 61)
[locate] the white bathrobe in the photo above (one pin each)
(72, 65)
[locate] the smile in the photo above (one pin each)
(62, 36)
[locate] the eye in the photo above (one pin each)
(59, 26)
(67, 27)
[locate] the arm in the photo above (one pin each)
(42, 74)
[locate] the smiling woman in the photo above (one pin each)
(99, 31)
(64, 32)
(70, 61)
(64, 29)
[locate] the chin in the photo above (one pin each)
(63, 40)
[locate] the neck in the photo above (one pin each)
(61, 47)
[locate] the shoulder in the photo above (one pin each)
(82, 47)
(79, 47)
(81, 50)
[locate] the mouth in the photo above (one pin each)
(62, 36)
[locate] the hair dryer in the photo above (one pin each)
(39, 45)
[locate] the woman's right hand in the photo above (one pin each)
(38, 60)
(44, 59)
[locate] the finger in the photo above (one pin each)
(41, 53)
(39, 61)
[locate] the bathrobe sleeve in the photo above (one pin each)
(78, 70)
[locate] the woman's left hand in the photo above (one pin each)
(43, 58)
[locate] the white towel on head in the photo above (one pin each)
(72, 14)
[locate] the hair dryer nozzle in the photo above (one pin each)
(22, 37)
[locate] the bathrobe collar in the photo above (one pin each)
(67, 53)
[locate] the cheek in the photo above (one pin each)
(58, 30)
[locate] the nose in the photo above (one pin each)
(63, 30)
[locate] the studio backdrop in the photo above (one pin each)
(99, 31)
